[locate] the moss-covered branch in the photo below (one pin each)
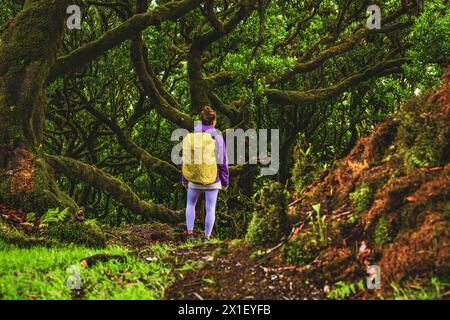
(114, 37)
(118, 190)
(151, 163)
(286, 97)
(342, 46)
(228, 110)
(165, 104)
(198, 85)
(222, 78)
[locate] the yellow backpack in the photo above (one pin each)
(199, 158)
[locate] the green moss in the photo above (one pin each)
(269, 218)
(424, 135)
(220, 251)
(15, 237)
(300, 250)
(447, 210)
(383, 232)
(256, 254)
(235, 243)
(362, 198)
(78, 233)
(44, 195)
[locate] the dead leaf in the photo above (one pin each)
(83, 264)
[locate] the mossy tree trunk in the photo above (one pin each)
(27, 52)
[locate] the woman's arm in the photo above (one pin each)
(224, 174)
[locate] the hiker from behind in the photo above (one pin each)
(204, 169)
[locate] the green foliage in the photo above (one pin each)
(194, 265)
(78, 233)
(434, 290)
(54, 216)
(303, 248)
(235, 243)
(209, 281)
(447, 210)
(236, 211)
(343, 290)
(40, 273)
(318, 225)
(306, 168)
(257, 254)
(269, 218)
(219, 251)
(300, 250)
(430, 50)
(362, 198)
(423, 135)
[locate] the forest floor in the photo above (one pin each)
(230, 269)
(220, 269)
(235, 274)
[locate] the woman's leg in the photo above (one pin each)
(211, 199)
(192, 197)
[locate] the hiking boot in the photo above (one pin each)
(190, 237)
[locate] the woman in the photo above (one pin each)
(194, 190)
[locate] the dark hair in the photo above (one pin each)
(208, 115)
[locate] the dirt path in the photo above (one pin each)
(219, 272)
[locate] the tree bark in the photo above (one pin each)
(27, 52)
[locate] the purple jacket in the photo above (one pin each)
(223, 174)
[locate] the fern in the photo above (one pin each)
(54, 215)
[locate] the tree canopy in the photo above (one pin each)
(86, 114)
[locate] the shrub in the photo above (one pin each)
(423, 135)
(78, 233)
(300, 250)
(269, 218)
(306, 168)
(344, 290)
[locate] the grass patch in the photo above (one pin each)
(434, 290)
(40, 273)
